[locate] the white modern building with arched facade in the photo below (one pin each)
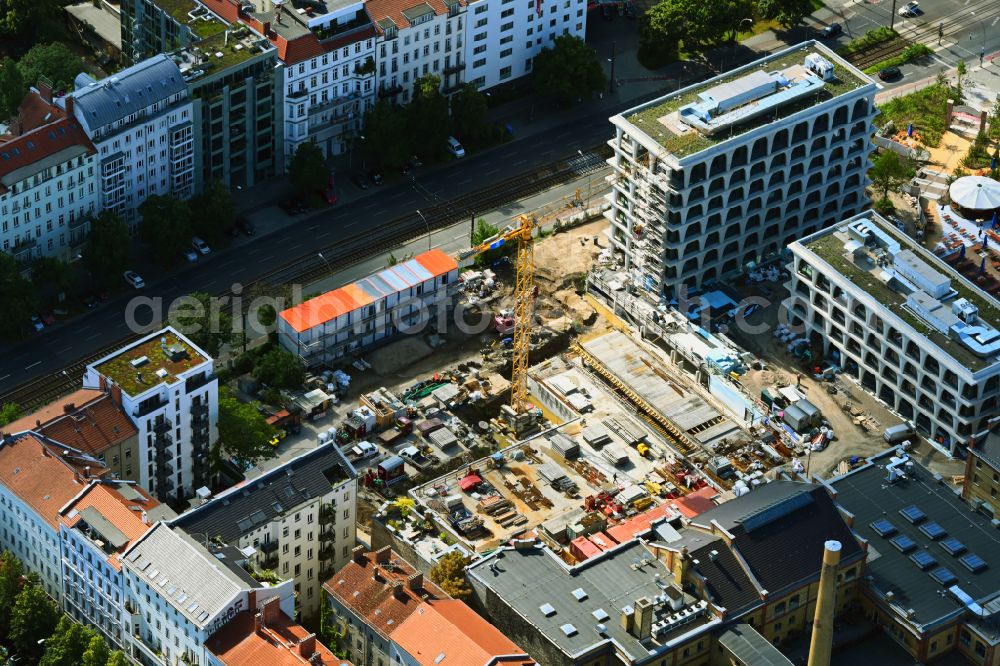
(903, 323)
(730, 170)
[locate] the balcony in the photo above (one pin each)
(161, 426)
(390, 91)
(268, 546)
(454, 69)
(196, 382)
(149, 406)
(328, 535)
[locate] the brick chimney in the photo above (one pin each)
(45, 90)
(271, 610)
(257, 621)
(358, 554)
(252, 600)
(398, 590)
(416, 581)
(68, 407)
(382, 554)
(307, 646)
(69, 106)
(116, 394)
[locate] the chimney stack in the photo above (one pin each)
(69, 106)
(271, 610)
(257, 621)
(416, 581)
(398, 590)
(643, 625)
(45, 90)
(382, 554)
(822, 633)
(307, 646)
(358, 554)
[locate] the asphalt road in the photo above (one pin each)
(60, 346)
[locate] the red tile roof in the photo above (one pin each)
(640, 524)
(55, 409)
(379, 10)
(275, 643)
(125, 514)
(371, 595)
(33, 112)
(40, 143)
(93, 427)
(449, 633)
(41, 475)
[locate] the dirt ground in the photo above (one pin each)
(851, 440)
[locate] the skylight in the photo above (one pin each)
(973, 562)
(547, 610)
(903, 543)
(923, 559)
(579, 594)
(943, 576)
(933, 530)
(883, 527)
(568, 629)
(600, 615)
(953, 546)
(913, 514)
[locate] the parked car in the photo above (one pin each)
(246, 226)
(889, 73)
(200, 246)
(48, 318)
(133, 279)
(910, 9)
(36, 323)
(375, 176)
(455, 148)
(360, 180)
(831, 31)
(190, 255)
(278, 436)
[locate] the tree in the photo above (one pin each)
(166, 225)
(33, 618)
(11, 572)
(427, 115)
(280, 368)
(960, 76)
(786, 12)
(212, 212)
(9, 411)
(17, 296)
(449, 574)
(24, 23)
(118, 658)
(468, 113)
(404, 505)
(12, 88)
(244, 434)
(97, 653)
(266, 315)
(106, 250)
(307, 172)
(199, 317)
(387, 137)
(569, 70)
(480, 234)
(659, 42)
(65, 647)
(52, 278)
(56, 62)
(889, 172)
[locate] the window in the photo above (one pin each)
(506, 52)
(475, 51)
(507, 13)
(504, 73)
(481, 23)
(479, 37)
(506, 26)
(478, 63)
(507, 39)
(482, 9)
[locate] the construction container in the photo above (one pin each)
(796, 419)
(811, 411)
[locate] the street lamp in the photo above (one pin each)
(611, 82)
(589, 178)
(426, 224)
(350, 153)
(328, 267)
(742, 21)
(982, 49)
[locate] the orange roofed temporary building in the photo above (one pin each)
(374, 309)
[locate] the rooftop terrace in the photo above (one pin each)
(650, 118)
(864, 271)
(203, 23)
(167, 356)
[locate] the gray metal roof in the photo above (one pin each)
(750, 647)
(128, 91)
(866, 493)
(202, 586)
(257, 502)
(104, 527)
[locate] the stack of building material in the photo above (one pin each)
(596, 435)
(557, 478)
(443, 438)
(564, 446)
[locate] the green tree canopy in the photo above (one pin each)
(17, 296)
(9, 411)
(52, 277)
(468, 113)
(106, 250)
(55, 61)
(280, 368)
(12, 88)
(889, 172)
(97, 653)
(244, 433)
(118, 658)
(568, 71)
(788, 13)
(212, 212)
(427, 116)
(33, 618)
(11, 571)
(24, 23)
(66, 645)
(200, 318)
(449, 575)
(166, 226)
(307, 172)
(386, 135)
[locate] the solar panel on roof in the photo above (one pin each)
(903, 543)
(973, 562)
(883, 527)
(953, 546)
(923, 559)
(943, 576)
(912, 513)
(933, 530)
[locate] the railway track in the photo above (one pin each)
(879, 52)
(309, 267)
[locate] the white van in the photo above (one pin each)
(898, 433)
(455, 148)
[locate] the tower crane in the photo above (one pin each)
(524, 295)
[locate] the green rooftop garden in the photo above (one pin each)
(233, 53)
(134, 380)
(177, 9)
(830, 249)
(691, 142)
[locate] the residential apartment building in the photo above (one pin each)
(749, 567)
(91, 422)
(179, 591)
(48, 181)
(981, 485)
(904, 324)
(167, 387)
(267, 636)
(95, 528)
(730, 170)
(298, 518)
(930, 579)
(400, 299)
(416, 38)
(370, 597)
(140, 122)
(230, 72)
(38, 478)
(504, 36)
